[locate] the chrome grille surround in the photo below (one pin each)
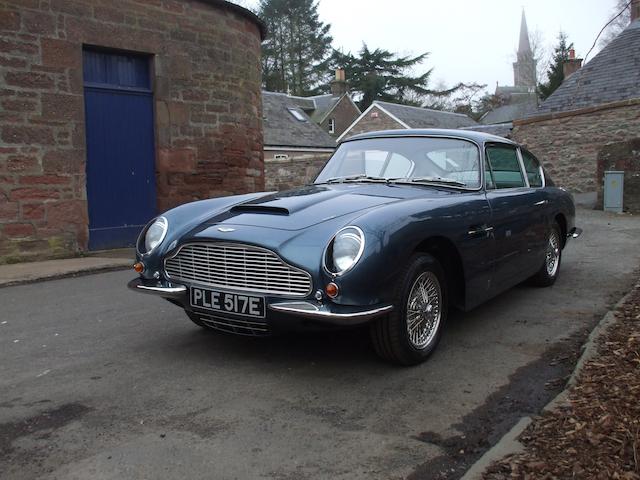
(237, 266)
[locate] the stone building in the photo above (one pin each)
(114, 111)
(390, 116)
(591, 123)
(334, 111)
(295, 147)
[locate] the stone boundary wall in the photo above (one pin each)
(297, 170)
(568, 143)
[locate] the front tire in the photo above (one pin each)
(410, 333)
(550, 269)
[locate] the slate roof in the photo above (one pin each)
(418, 117)
(508, 113)
(305, 103)
(324, 103)
(613, 75)
(282, 129)
(500, 129)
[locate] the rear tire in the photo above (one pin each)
(410, 333)
(550, 269)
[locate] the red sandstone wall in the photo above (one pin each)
(207, 102)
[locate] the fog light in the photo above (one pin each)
(331, 290)
(138, 267)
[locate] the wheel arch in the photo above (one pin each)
(561, 220)
(445, 251)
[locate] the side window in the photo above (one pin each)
(505, 166)
(489, 183)
(532, 167)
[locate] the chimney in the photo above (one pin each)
(635, 10)
(339, 85)
(572, 65)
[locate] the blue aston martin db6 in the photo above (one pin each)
(398, 227)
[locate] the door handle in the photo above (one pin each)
(475, 230)
(541, 202)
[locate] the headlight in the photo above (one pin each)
(155, 234)
(344, 250)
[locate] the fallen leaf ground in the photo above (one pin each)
(596, 434)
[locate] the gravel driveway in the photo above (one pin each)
(99, 382)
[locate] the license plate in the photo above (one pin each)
(235, 303)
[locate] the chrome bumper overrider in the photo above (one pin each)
(168, 291)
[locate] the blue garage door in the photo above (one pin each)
(121, 187)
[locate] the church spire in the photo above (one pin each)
(524, 69)
(524, 46)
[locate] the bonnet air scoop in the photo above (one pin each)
(265, 209)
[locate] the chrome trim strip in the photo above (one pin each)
(523, 170)
(486, 230)
(237, 288)
(169, 292)
(358, 256)
(309, 310)
(143, 233)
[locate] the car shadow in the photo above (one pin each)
(337, 348)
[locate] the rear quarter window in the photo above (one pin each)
(532, 167)
(505, 166)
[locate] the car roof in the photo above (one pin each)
(477, 137)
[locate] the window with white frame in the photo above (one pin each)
(332, 125)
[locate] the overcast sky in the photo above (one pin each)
(468, 40)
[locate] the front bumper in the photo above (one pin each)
(279, 310)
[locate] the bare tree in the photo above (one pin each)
(540, 52)
(619, 24)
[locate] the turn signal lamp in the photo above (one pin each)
(331, 290)
(138, 267)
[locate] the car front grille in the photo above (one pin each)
(254, 327)
(238, 267)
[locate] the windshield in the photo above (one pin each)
(427, 160)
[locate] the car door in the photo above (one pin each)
(513, 219)
(540, 214)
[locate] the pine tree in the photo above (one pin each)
(382, 75)
(296, 51)
(555, 74)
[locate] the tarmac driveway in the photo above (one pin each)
(99, 382)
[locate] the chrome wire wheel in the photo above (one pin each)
(424, 307)
(553, 254)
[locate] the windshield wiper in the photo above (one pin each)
(434, 180)
(358, 178)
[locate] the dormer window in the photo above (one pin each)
(297, 114)
(332, 125)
